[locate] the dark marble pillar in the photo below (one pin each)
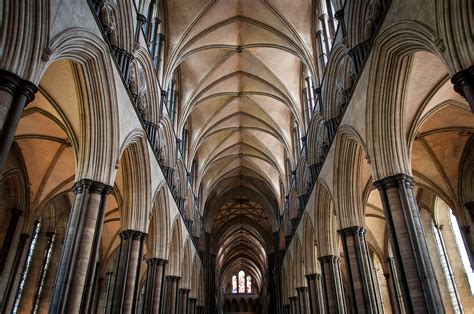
(127, 277)
(303, 300)
(80, 247)
(123, 60)
(13, 276)
(294, 305)
(358, 54)
(183, 300)
(339, 15)
(315, 293)
(361, 281)
(11, 231)
(332, 284)
(192, 305)
(414, 268)
(154, 285)
(396, 299)
(171, 294)
(331, 126)
(464, 84)
(200, 309)
(15, 94)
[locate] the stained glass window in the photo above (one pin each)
(234, 284)
(27, 265)
(249, 284)
(241, 281)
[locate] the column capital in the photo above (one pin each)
(395, 182)
(11, 82)
(463, 82)
(141, 18)
(352, 231)
(314, 276)
(92, 186)
(156, 261)
(173, 278)
(339, 14)
(329, 258)
(302, 289)
(133, 234)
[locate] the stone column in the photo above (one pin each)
(358, 54)
(15, 94)
(200, 309)
(12, 278)
(123, 60)
(154, 284)
(171, 294)
(464, 84)
(396, 299)
(331, 126)
(332, 283)
(192, 306)
(315, 293)
(414, 268)
(128, 271)
(359, 269)
(183, 294)
(11, 231)
(303, 300)
(80, 247)
(294, 305)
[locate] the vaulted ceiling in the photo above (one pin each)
(240, 67)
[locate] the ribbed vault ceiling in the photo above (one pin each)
(240, 67)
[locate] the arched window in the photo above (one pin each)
(249, 284)
(462, 251)
(241, 281)
(27, 265)
(234, 284)
(447, 270)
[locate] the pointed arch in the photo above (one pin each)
(158, 230)
(135, 168)
(326, 229)
(175, 249)
(348, 187)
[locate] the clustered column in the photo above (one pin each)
(360, 271)
(154, 285)
(315, 293)
(294, 305)
(15, 94)
(192, 305)
(171, 294)
(415, 272)
(333, 294)
(128, 271)
(303, 301)
(80, 247)
(183, 300)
